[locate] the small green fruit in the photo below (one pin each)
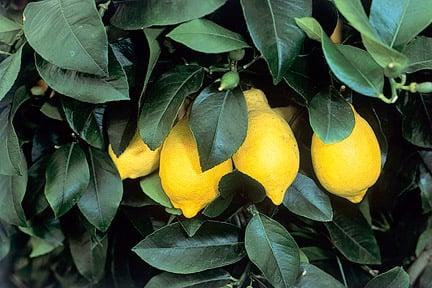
(393, 70)
(425, 87)
(229, 81)
(236, 55)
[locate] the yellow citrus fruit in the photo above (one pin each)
(188, 188)
(137, 160)
(348, 168)
(269, 153)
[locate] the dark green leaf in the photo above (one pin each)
(237, 182)
(124, 51)
(152, 187)
(419, 54)
(317, 254)
(67, 178)
(425, 186)
(272, 28)
(219, 122)
(86, 87)
(12, 191)
(49, 231)
(6, 232)
(353, 237)
(273, 250)
(228, 186)
(168, 247)
(417, 119)
(40, 247)
(210, 279)
(306, 199)
(135, 15)
(191, 226)
(121, 122)
(311, 276)
(160, 108)
(398, 24)
(331, 117)
(68, 33)
(85, 120)
(394, 278)
(206, 36)
(89, 254)
(8, 25)
(9, 69)
(51, 111)
(10, 149)
(100, 201)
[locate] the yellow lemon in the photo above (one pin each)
(137, 160)
(269, 153)
(188, 188)
(348, 168)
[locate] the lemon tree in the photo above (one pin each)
(216, 143)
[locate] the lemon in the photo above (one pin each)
(188, 188)
(348, 168)
(137, 160)
(269, 153)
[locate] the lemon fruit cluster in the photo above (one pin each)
(269, 153)
(348, 168)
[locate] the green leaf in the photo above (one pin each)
(228, 186)
(306, 199)
(419, 54)
(51, 111)
(398, 24)
(311, 276)
(273, 250)
(205, 36)
(135, 15)
(40, 247)
(86, 87)
(9, 69)
(154, 52)
(191, 226)
(12, 192)
(237, 182)
(425, 186)
(67, 178)
(100, 201)
(6, 232)
(10, 149)
(162, 104)
(417, 119)
(49, 231)
(168, 247)
(353, 237)
(152, 187)
(210, 279)
(68, 33)
(272, 28)
(351, 65)
(424, 241)
(89, 253)
(314, 253)
(8, 25)
(331, 117)
(219, 122)
(394, 278)
(85, 120)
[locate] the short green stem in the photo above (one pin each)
(5, 53)
(104, 7)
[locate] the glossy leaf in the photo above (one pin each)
(351, 65)
(9, 69)
(210, 279)
(237, 182)
(163, 102)
(273, 250)
(228, 186)
(8, 25)
(68, 33)
(191, 226)
(394, 278)
(331, 117)
(219, 122)
(272, 28)
(141, 14)
(419, 54)
(398, 24)
(417, 119)
(206, 36)
(168, 247)
(152, 187)
(12, 192)
(86, 87)
(354, 238)
(306, 199)
(67, 178)
(100, 201)
(311, 276)
(10, 149)
(85, 120)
